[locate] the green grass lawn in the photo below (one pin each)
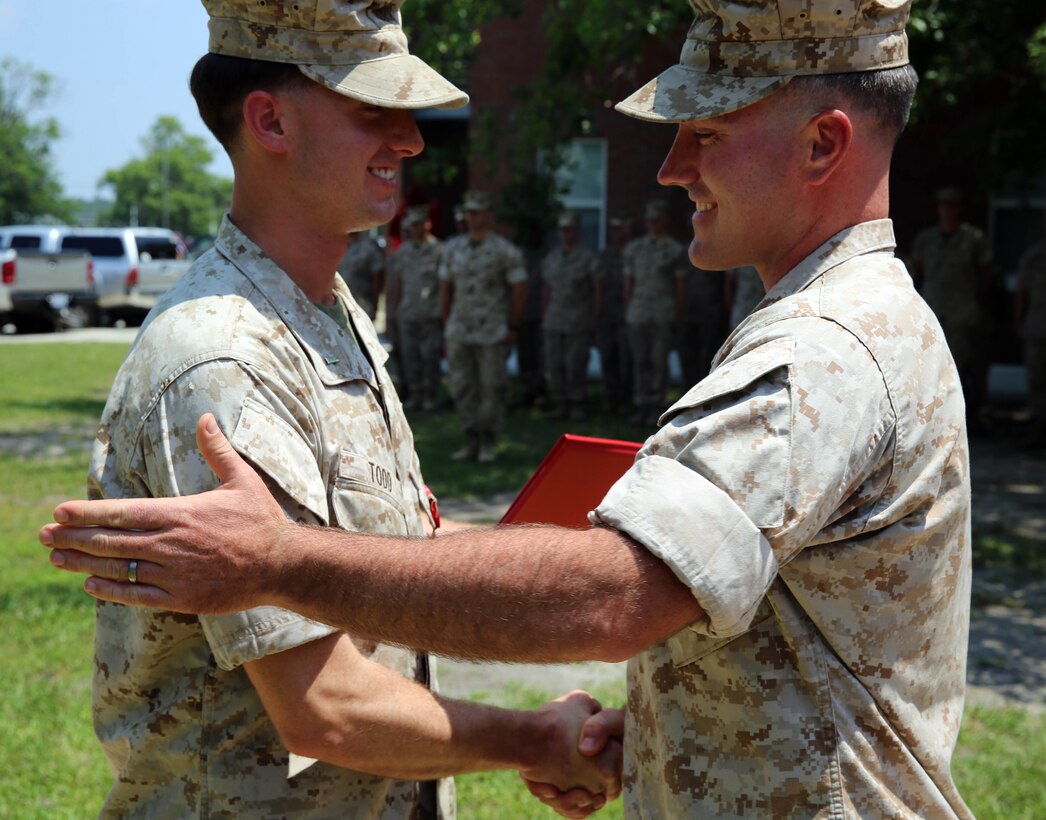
(53, 768)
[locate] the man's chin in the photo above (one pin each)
(706, 257)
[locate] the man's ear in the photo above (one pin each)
(829, 138)
(265, 121)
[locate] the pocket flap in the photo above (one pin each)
(276, 449)
(736, 374)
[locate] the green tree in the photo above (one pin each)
(170, 185)
(982, 96)
(29, 188)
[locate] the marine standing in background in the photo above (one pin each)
(951, 265)
(611, 331)
(1030, 306)
(703, 326)
(571, 297)
(483, 289)
(363, 267)
(655, 267)
(413, 304)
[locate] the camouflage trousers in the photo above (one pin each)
(420, 348)
(478, 384)
(566, 365)
(650, 344)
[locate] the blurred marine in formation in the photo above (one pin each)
(482, 294)
(655, 269)
(571, 296)
(951, 265)
(611, 330)
(363, 267)
(413, 303)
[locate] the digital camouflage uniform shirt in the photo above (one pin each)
(362, 262)
(417, 267)
(654, 266)
(813, 492)
(183, 728)
(571, 277)
(483, 274)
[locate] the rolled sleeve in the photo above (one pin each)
(242, 637)
(700, 533)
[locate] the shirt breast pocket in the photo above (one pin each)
(366, 498)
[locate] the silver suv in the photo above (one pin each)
(117, 254)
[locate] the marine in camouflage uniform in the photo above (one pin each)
(951, 263)
(202, 716)
(181, 723)
(611, 331)
(483, 293)
(415, 269)
(572, 294)
(1031, 313)
(813, 685)
(655, 267)
(363, 268)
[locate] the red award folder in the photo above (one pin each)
(571, 480)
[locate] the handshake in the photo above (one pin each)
(579, 771)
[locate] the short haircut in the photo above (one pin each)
(885, 94)
(220, 84)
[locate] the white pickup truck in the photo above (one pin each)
(40, 290)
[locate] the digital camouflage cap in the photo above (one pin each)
(357, 49)
(739, 51)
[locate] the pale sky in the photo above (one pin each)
(118, 66)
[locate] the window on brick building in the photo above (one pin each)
(584, 178)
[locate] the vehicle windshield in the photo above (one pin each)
(96, 245)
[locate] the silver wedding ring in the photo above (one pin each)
(132, 572)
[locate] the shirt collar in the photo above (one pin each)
(857, 240)
(332, 351)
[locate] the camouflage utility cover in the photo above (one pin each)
(654, 266)
(571, 276)
(182, 726)
(739, 51)
(363, 261)
(416, 265)
(483, 274)
(813, 492)
(354, 47)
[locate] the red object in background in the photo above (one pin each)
(571, 480)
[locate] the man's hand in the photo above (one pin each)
(563, 780)
(602, 733)
(197, 553)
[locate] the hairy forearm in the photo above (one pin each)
(330, 703)
(409, 733)
(537, 594)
